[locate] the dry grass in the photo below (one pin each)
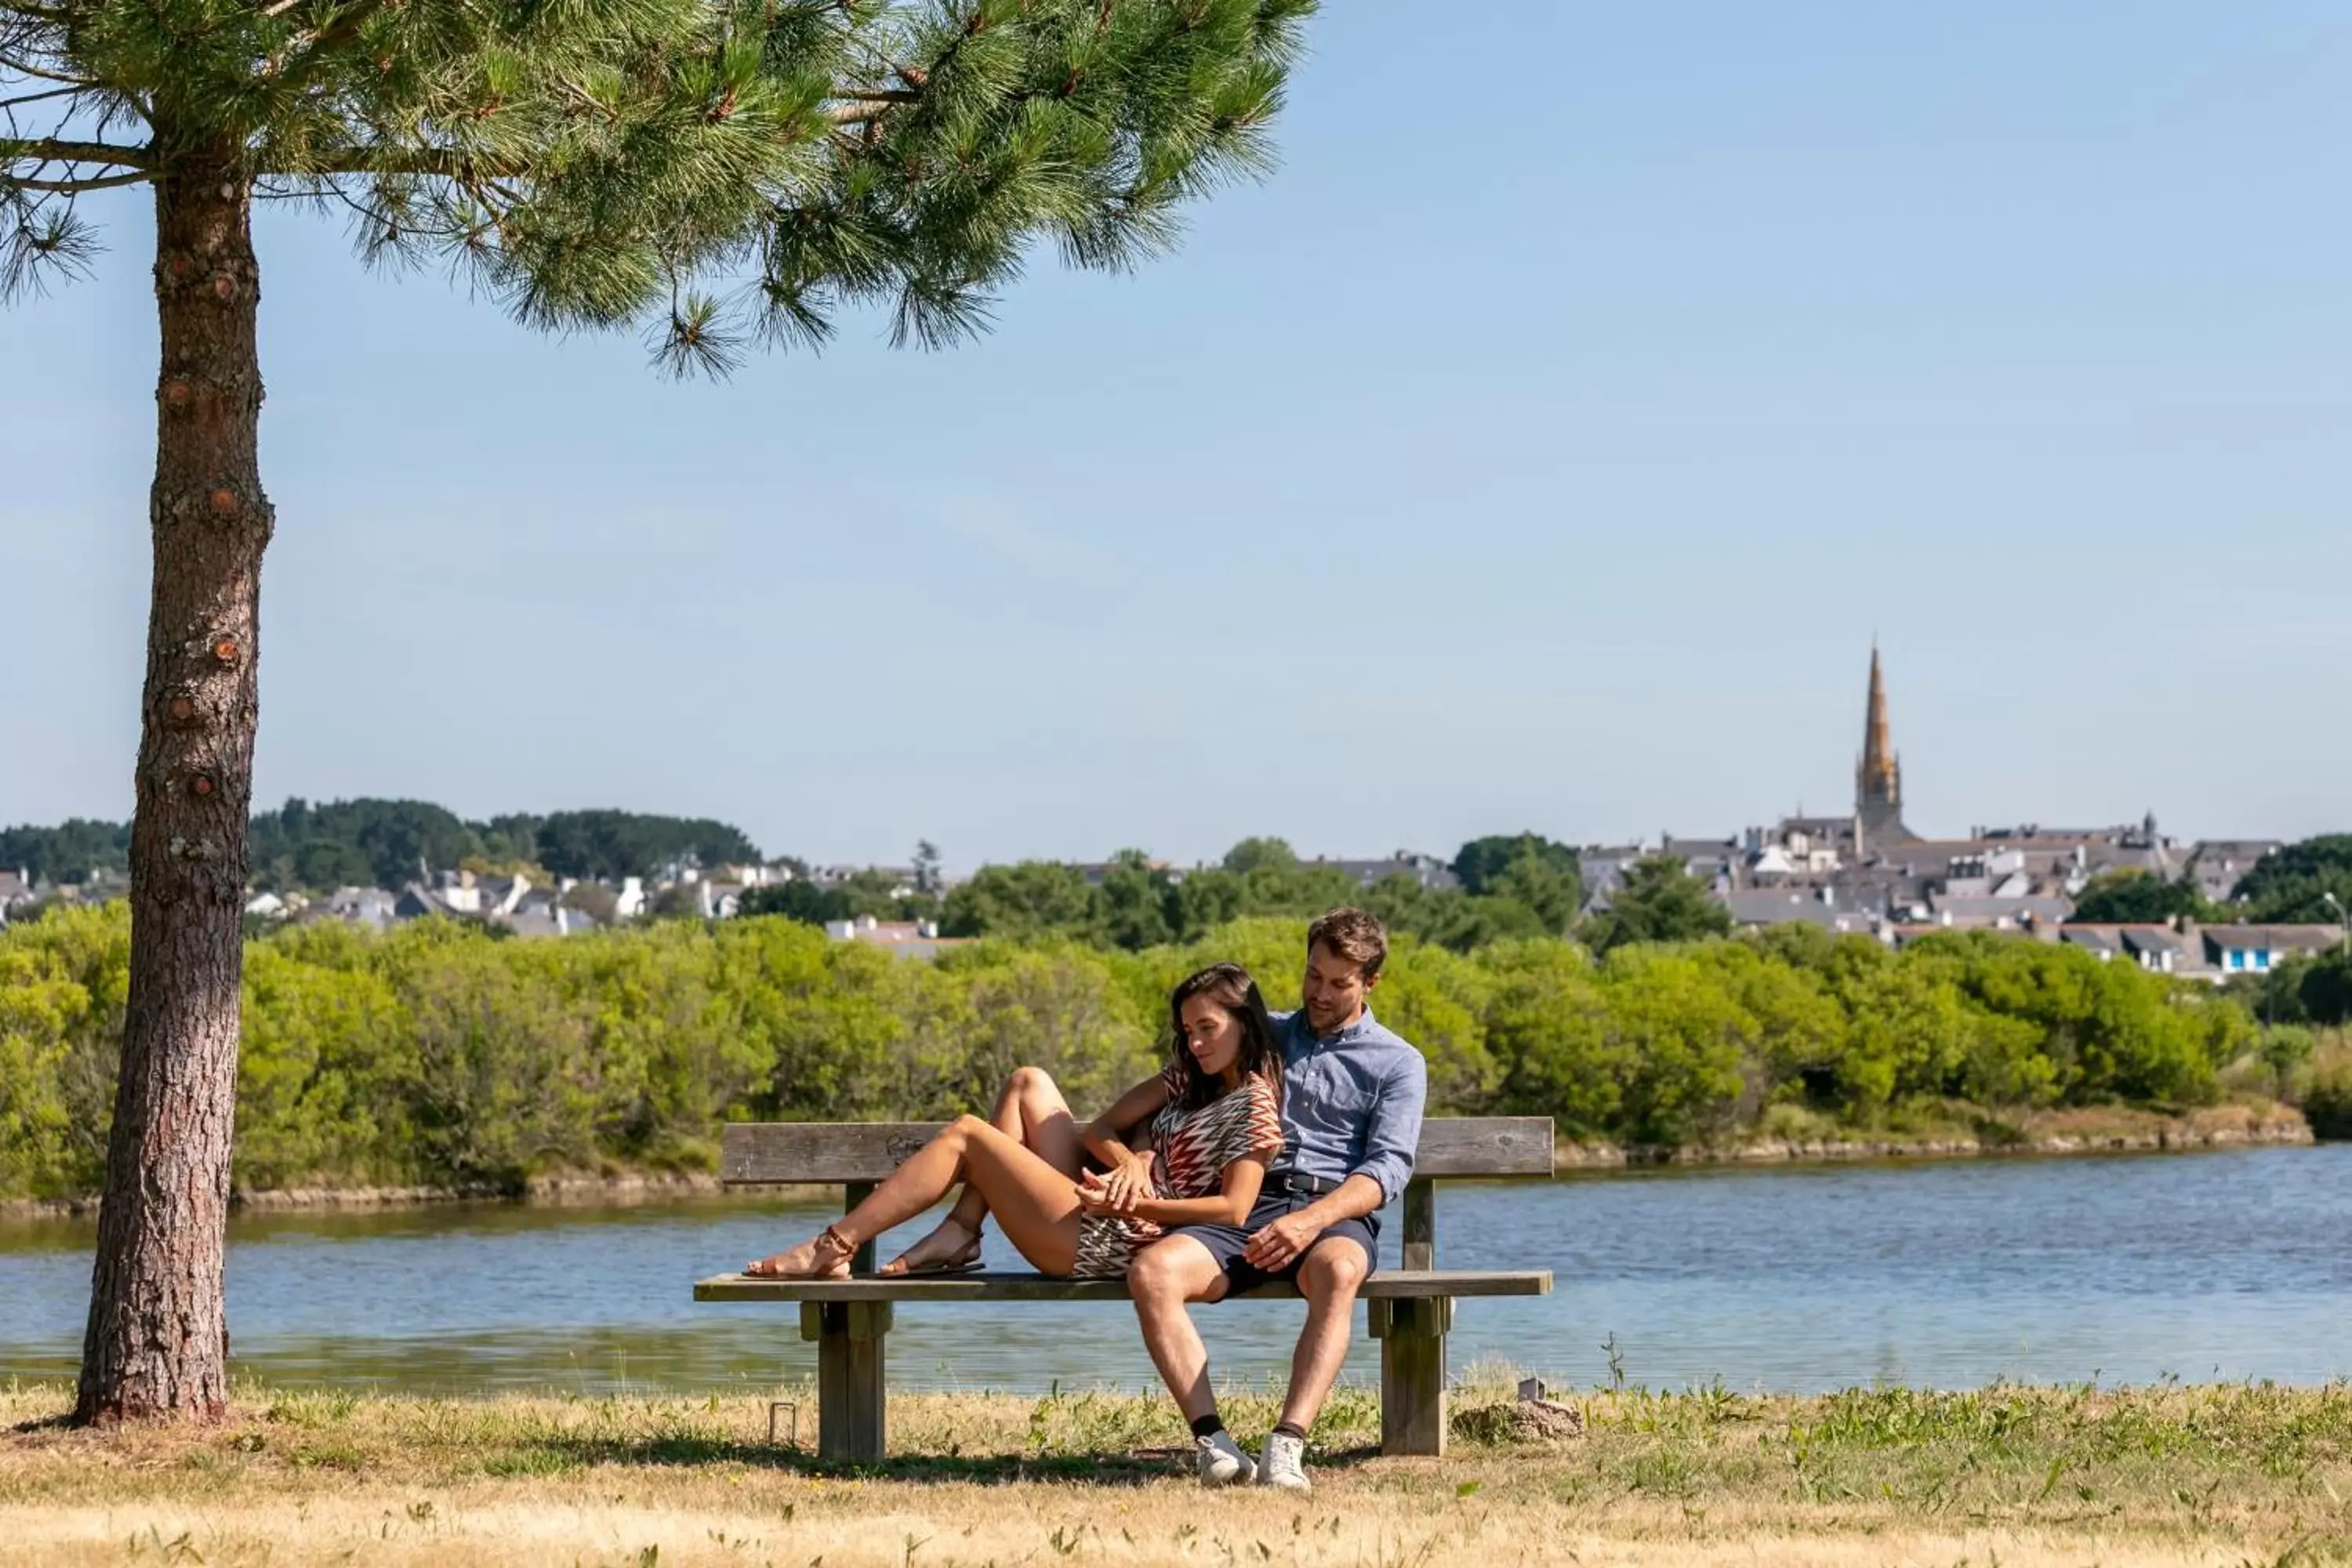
(2223, 1476)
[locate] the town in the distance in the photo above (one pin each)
(2128, 892)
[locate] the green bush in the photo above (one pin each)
(435, 1054)
(2327, 1102)
(2285, 1053)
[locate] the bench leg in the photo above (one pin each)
(1413, 1373)
(851, 1386)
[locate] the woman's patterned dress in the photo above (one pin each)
(1190, 1151)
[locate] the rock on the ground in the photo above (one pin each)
(1519, 1421)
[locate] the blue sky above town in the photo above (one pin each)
(1541, 447)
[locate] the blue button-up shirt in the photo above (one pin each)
(1351, 1104)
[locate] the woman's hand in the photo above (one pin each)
(1128, 1183)
(1119, 1191)
(1094, 1196)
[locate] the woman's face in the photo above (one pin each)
(1212, 1033)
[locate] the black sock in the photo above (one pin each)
(1208, 1426)
(1292, 1429)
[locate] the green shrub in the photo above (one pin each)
(435, 1054)
(2327, 1102)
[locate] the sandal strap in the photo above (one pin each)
(831, 1236)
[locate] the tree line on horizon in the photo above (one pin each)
(389, 843)
(1511, 886)
(435, 1055)
(1514, 885)
(321, 847)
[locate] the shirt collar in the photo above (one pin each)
(1363, 1026)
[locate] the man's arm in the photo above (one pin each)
(1394, 1136)
(1389, 1144)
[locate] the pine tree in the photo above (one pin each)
(591, 163)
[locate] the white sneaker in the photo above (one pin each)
(1222, 1462)
(1282, 1463)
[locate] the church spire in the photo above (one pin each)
(1878, 778)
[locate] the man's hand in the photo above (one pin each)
(1283, 1243)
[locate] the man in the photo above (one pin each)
(1351, 1107)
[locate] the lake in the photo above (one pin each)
(2212, 1266)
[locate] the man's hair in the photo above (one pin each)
(1353, 935)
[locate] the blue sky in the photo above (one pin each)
(1541, 448)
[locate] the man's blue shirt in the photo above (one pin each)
(1351, 1104)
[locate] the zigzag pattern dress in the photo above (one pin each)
(1191, 1150)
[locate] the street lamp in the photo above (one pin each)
(2341, 919)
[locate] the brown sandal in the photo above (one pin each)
(830, 1236)
(964, 1259)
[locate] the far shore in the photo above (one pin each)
(2055, 1132)
(2101, 1130)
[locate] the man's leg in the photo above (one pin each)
(1332, 1273)
(1166, 1275)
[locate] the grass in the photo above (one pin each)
(2223, 1475)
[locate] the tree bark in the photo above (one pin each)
(157, 1345)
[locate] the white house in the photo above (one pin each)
(2256, 950)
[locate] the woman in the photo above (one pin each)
(1215, 1123)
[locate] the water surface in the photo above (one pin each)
(2229, 1265)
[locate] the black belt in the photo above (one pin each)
(1299, 1186)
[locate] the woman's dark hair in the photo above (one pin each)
(1229, 985)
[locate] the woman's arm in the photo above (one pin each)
(1105, 1137)
(1243, 1177)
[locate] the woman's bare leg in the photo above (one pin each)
(1034, 1203)
(1030, 1108)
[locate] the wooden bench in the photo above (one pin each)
(1412, 1309)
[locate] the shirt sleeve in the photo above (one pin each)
(1266, 1137)
(1394, 1136)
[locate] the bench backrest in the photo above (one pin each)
(774, 1153)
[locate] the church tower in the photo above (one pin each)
(1878, 777)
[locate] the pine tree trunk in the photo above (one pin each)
(157, 1344)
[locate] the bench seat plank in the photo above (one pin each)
(1396, 1285)
(781, 1153)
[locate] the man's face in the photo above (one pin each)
(1334, 991)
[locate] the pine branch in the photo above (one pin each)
(587, 100)
(10, 62)
(903, 153)
(39, 97)
(77, 188)
(443, 163)
(321, 45)
(346, 22)
(47, 150)
(41, 237)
